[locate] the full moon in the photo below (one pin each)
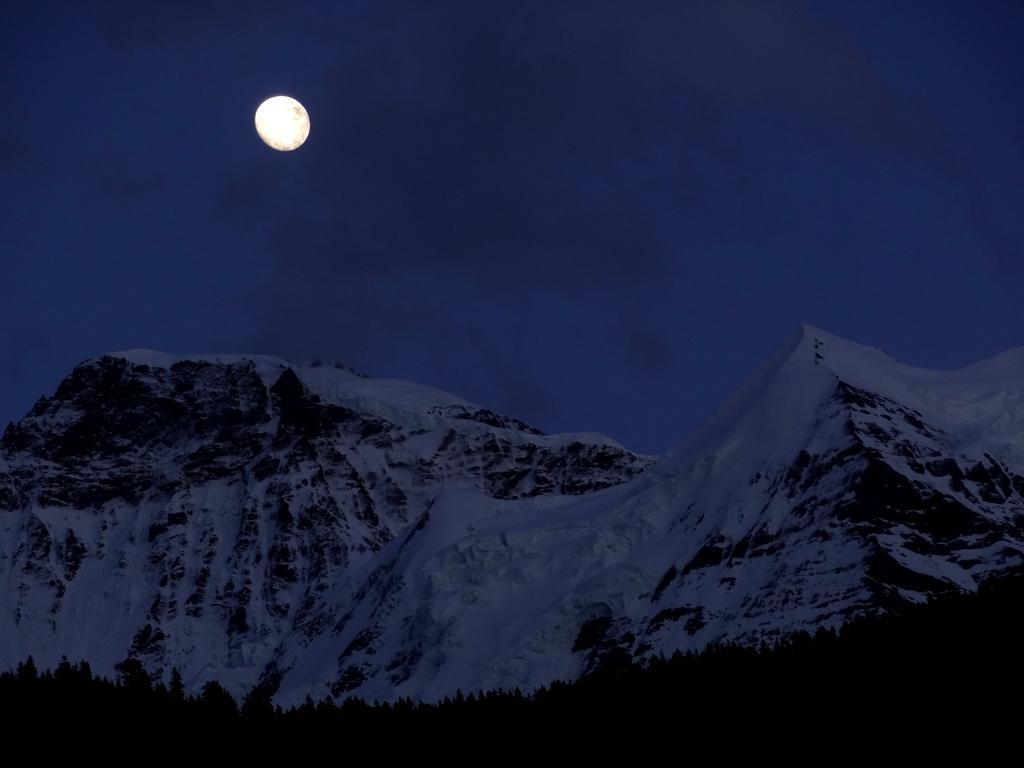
(282, 123)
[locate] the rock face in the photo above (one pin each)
(194, 512)
(316, 532)
(866, 485)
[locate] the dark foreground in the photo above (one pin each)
(930, 676)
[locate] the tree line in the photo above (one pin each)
(956, 657)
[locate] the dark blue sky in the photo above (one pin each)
(590, 215)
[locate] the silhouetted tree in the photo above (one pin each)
(177, 687)
(133, 676)
(216, 703)
(920, 664)
(27, 671)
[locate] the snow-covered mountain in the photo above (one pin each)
(197, 512)
(327, 534)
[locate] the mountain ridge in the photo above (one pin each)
(316, 532)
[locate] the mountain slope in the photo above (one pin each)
(324, 534)
(838, 483)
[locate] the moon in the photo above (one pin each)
(282, 123)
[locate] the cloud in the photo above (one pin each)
(130, 27)
(126, 187)
(784, 56)
(15, 154)
(490, 146)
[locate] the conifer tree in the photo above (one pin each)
(177, 687)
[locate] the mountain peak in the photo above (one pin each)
(842, 356)
(157, 359)
(778, 402)
(210, 512)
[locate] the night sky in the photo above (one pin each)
(593, 216)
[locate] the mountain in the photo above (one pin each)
(197, 512)
(320, 533)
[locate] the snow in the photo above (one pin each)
(336, 385)
(981, 404)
